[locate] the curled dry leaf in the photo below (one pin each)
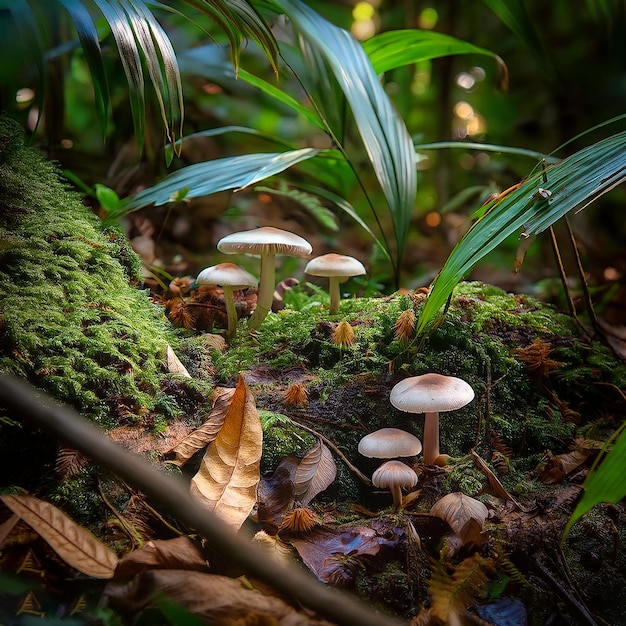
(205, 434)
(316, 471)
(554, 469)
(230, 471)
(275, 494)
(466, 516)
(216, 600)
(179, 553)
(74, 544)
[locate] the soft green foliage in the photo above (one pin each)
(73, 320)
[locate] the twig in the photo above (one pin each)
(362, 477)
(22, 400)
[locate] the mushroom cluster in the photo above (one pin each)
(389, 443)
(266, 242)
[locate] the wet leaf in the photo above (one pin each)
(205, 434)
(217, 600)
(507, 611)
(180, 553)
(466, 516)
(335, 556)
(74, 544)
(275, 494)
(230, 471)
(316, 471)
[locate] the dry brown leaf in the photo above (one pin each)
(316, 471)
(174, 364)
(74, 544)
(179, 553)
(205, 434)
(217, 600)
(275, 494)
(275, 548)
(496, 486)
(230, 471)
(555, 468)
(466, 516)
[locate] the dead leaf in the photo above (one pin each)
(174, 364)
(554, 469)
(275, 548)
(316, 471)
(230, 471)
(496, 486)
(335, 556)
(179, 553)
(205, 434)
(466, 516)
(74, 544)
(275, 494)
(217, 600)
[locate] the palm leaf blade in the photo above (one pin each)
(573, 184)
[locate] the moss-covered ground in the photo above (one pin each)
(75, 322)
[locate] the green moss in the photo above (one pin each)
(281, 437)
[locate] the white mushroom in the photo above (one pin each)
(394, 475)
(337, 268)
(430, 394)
(231, 278)
(265, 242)
(389, 443)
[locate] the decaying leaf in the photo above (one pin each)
(181, 553)
(316, 471)
(494, 482)
(217, 600)
(230, 471)
(553, 469)
(205, 434)
(174, 364)
(275, 494)
(335, 556)
(466, 516)
(74, 544)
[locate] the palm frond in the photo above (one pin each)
(210, 177)
(393, 49)
(383, 133)
(572, 184)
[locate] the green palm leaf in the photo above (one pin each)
(397, 48)
(202, 179)
(383, 133)
(573, 183)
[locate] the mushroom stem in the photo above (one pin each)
(431, 437)
(231, 311)
(333, 290)
(396, 494)
(266, 291)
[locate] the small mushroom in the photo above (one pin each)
(431, 394)
(394, 475)
(265, 242)
(229, 277)
(389, 443)
(337, 268)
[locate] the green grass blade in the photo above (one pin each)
(209, 177)
(397, 48)
(574, 183)
(605, 481)
(383, 133)
(486, 147)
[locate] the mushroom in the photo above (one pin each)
(337, 268)
(265, 242)
(229, 277)
(394, 475)
(388, 443)
(430, 394)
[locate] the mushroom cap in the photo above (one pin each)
(431, 393)
(394, 474)
(265, 240)
(335, 265)
(388, 443)
(227, 275)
